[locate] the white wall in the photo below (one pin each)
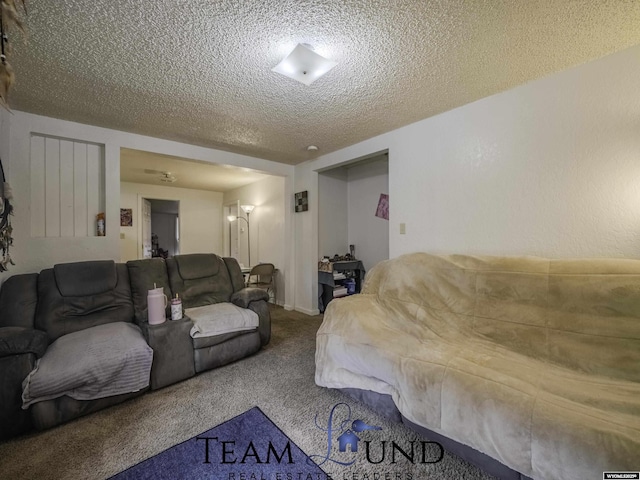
(200, 218)
(333, 213)
(34, 254)
(268, 231)
(369, 234)
(550, 168)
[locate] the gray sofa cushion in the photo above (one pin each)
(192, 277)
(97, 362)
(17, 340)
(144, 275)
(197, 265)
(59, 314)
(80, 279)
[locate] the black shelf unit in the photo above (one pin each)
(326, 283)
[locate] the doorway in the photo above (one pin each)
(160, 228)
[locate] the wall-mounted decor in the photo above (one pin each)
(383, 206)
(6, 210)
(126, 217)
(301, 201)
(11, 13)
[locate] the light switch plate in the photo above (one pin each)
(403, 228)
(121, 236)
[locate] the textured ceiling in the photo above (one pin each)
(145, 167)
(200, 71)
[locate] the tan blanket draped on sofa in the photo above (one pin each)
(534, 362)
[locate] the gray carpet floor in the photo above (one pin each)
(279, 379)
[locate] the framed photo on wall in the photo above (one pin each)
(301, 201)
(126, 217)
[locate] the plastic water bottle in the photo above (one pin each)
(176, 308)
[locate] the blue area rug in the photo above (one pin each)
(247, 447)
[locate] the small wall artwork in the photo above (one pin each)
(301, 201)
(383, 206)
(126, 217)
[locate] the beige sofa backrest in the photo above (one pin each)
(583, 314)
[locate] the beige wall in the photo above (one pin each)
(200, 218)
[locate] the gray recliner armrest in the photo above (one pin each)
(257, 300)
(244, 297)
(19, 340)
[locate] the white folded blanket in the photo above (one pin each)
(221, 318)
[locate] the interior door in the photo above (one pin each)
(146, 228)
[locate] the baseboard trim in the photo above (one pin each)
(307, 311)
(287, 307)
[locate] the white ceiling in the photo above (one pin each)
(145, 167)
(199, 71)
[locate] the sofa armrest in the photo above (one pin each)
(261, 307)
(19, 340)
(18, 300)
(244, 297)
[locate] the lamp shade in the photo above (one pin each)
(247, 208)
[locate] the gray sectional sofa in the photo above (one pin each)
(75, 338)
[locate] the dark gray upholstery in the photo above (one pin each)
(199, 279)
(144, 275)
(13, 369)
(244, 297)
(205, 279)
(227, 352)
(172, 351)
(237, 279)
(18, 300)
(264, 327)
(20, 346)
(59, 314)
(50, 413)
(19, 340)
(72, 297)
(81, 279)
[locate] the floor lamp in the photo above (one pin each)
(246, 209)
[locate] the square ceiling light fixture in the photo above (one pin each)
(304, 65)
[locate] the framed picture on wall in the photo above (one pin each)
(301, 201)
(126, 217)
(383, 206)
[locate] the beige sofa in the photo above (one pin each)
(533, 362)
